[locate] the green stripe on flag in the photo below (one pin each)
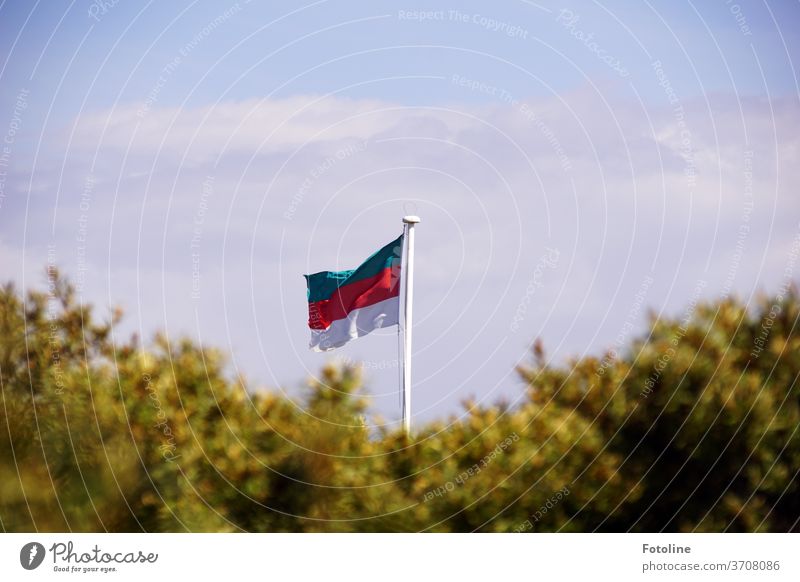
(323, 284)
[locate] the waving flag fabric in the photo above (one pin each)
(344, 305)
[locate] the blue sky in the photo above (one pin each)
(271, 49)
(561, 155)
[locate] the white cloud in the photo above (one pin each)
(491, 184)
(253, 126)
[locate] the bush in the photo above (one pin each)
(693, 427)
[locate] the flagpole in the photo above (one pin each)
(407, 270)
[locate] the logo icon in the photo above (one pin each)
(31, 555)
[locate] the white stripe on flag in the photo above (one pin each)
(358, 322)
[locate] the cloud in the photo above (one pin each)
(257, 126)
(308, 183)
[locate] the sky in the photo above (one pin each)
(576, 165)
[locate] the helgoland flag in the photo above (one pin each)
(344, 305)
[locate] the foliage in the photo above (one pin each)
(694, 427)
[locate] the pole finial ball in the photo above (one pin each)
(411, 219)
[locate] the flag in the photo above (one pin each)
(344, 305)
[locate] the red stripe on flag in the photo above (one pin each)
(347, 298)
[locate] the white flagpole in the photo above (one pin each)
(407, 271)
